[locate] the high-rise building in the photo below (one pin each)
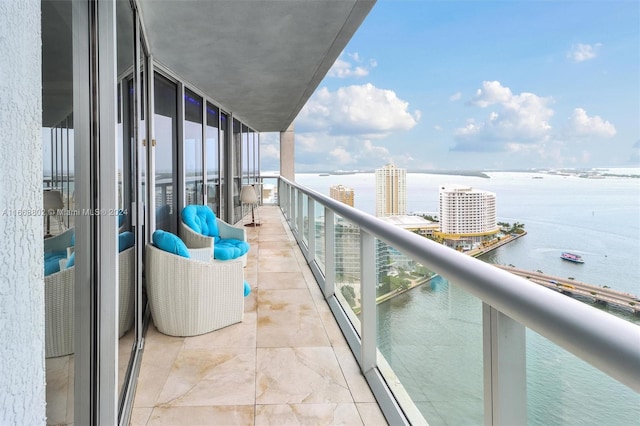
(391, 191)
(342, 193)
(467, 213)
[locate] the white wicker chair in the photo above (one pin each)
(193, 239)
(188, 297)
(59, 305)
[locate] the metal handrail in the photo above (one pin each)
(605, 341)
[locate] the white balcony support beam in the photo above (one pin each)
(505, 374)
(299, 215)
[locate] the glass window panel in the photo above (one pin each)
(58, 221)
(193, 173)
(560, 386)
(237, 169)
(347, 269)
(430, 340)
(224, 186)
(165, 119)
(213, 158)
(320, 232)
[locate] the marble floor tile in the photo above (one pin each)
(214, 376)
(360, 390)
(227, 415)
(288, 319)
(307, 414)
(281, 280)
(299, 375)
(240, 335)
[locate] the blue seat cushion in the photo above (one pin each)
(52, 261)
(247, 289)
(170, 243)
(229, 249)
(125, 240)
(200, 219)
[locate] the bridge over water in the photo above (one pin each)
(599, 295)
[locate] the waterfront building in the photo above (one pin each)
(343, 194)
(467, 215)
(391, 191)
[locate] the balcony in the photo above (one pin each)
(308, 353)
(286, 363)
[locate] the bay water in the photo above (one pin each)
(432, 335)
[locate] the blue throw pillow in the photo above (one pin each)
(200, 219)
(125, 240)
(170, 243)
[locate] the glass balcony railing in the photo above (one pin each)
(445, 337)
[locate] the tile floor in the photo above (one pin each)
(287, 363)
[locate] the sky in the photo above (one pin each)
(478, 85)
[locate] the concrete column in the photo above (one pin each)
(21, 224)
(287, 154)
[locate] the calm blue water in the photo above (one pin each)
(432, 335)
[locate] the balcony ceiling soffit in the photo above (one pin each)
(259, 59)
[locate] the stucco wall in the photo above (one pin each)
(22, 372)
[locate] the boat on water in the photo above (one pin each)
(571, 257)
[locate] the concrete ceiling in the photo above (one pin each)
(260, 59)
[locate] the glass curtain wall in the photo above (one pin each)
(127, 191)
(224, 186)
(193, 166)
(236, 161)
(58, 198)
(213, 159)
(166, 121)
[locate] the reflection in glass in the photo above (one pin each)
(126, 195)
(237, 170)
(193, 176)
(58, 198)
(213, 159)
(165, 119)
(224, 186)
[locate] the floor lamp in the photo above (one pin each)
(248, 196)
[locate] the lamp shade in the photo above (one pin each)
(248, 195)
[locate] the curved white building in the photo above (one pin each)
(467, 213)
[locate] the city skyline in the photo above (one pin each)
(477, 86)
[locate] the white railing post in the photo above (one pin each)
(368, 301)
(505, 373)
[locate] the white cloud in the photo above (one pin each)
(343, 68)
(583, 52)
(437, 127)
(582, 125)
(516, 119)
(455, 97)
(362, 110)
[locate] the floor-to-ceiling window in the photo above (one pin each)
(213, 158)
(236, 161)
(224, 165)
(165, 121)
(59, 219)
(192, 146)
